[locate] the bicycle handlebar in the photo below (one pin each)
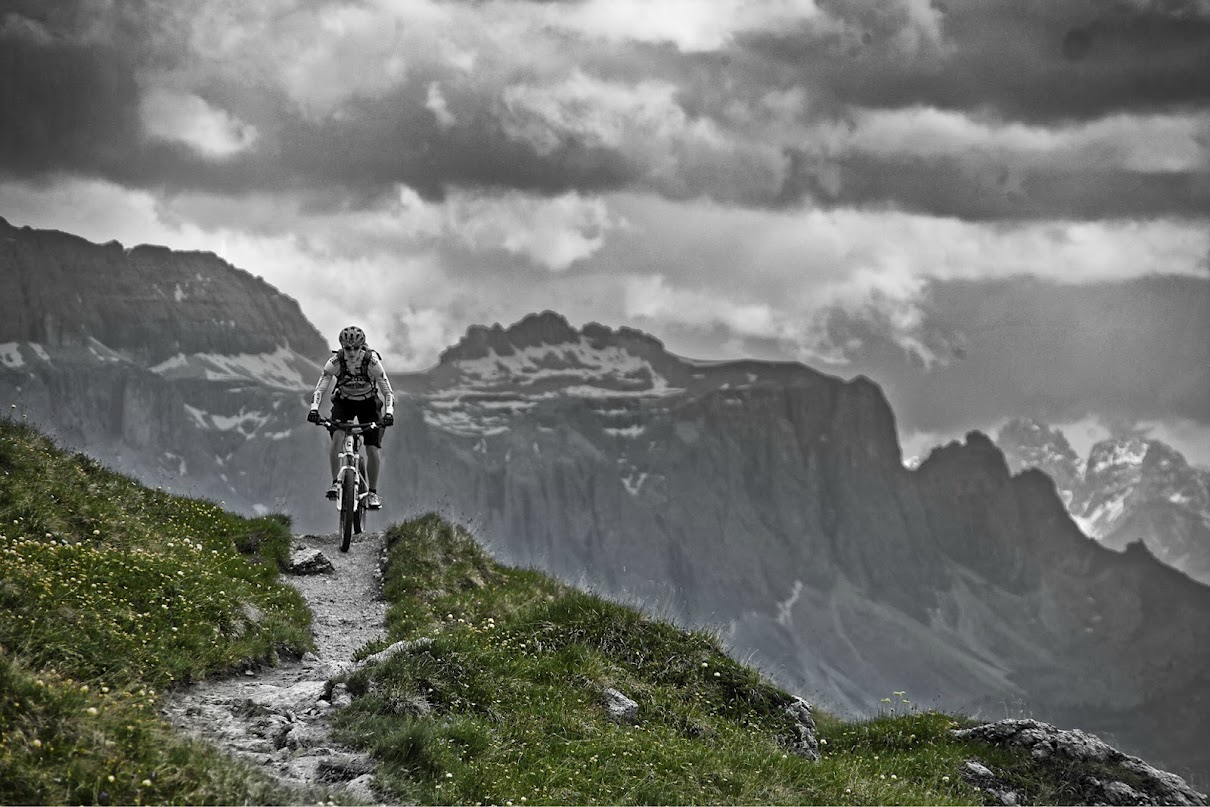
(349, 426)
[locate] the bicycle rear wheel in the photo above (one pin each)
(348, 508)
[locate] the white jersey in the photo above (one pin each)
(360, 381)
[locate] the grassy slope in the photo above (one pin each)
(506, 704)
(112, 593)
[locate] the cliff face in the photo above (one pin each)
(767, 500)
(174, 367)
(61, 290)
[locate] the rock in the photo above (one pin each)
(340, 696)
(620, 708)
(976, 773)
(398, 647)
(362, 788)
(343, 767)
(310, 561)
(1043, 741)
(804, 742)
(304, 736)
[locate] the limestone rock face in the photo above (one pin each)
(174, 367)
(61, 290)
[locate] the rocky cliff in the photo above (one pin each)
(1128, 489)
(177, 368)
(767, 500)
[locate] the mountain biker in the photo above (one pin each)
(356, 374)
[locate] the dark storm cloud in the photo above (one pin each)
(740, 127)
(64, 106)
(1026, 346)
(946, 188)
(1035, 61)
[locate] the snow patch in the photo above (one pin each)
(274, 369)
(786, 606)
(1131, 452)
(629, 431)
(573, 360)
(10, 355)
(102, 351)
(634, 482)
(198, 416)
(173, 363)
(278, 369)
(246, 423)
(461, 422)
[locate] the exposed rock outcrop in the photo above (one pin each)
(1102, 774)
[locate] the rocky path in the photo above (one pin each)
(280, 718)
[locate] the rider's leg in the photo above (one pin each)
(338, 444)
(372, 464)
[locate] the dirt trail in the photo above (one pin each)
(280, 718)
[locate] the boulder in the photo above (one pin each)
(1044, 742)
(309, 561)
(620, 708)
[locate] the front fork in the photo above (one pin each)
(347, 462)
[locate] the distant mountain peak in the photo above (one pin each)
(546, 329)
(543, 354)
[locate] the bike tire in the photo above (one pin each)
(359, 517)
(348, 509)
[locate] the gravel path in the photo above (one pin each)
(280, 718)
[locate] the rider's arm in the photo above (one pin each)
(326, 379)
(384, 384)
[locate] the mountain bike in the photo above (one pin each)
(353, 487)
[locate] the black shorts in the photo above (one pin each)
(365, 410)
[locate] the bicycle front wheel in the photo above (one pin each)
(348, 508)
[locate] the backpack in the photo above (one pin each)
(344, 375)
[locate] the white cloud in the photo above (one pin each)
(436, 103)
(186, 118)
(553, 233)
(1177, 141)
(690, 25)
(597, 112)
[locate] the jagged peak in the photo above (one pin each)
(547, 328)
(1034, 432)
(978, 451)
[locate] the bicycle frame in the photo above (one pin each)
(353, 486)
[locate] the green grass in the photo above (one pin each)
(113, 593)
(506, 704)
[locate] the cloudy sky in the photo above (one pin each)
(736, 177)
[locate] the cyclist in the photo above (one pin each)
(358, 378)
